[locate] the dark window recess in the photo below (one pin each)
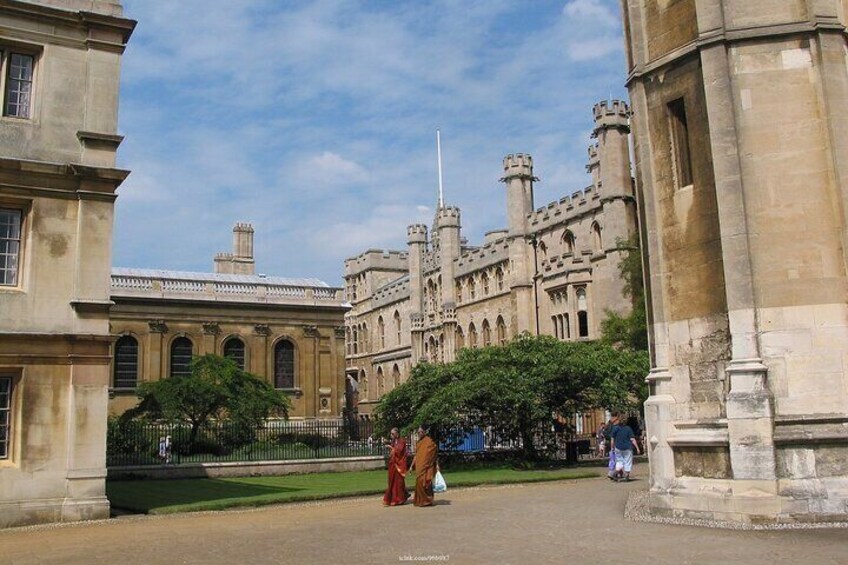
(234, 349)
(126, 363)
(680, 142)
(181, 349)
(284, 365)
(583, 323)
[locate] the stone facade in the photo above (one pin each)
(553, 271)
(286, 331)
(60, 76)
(741, 141)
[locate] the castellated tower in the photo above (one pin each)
(417, 245)
(240, 261)
(518, 176)
(448, 220)
(742, 166)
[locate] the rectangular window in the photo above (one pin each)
(679, 129)
(5, 416)
(17, 99)
(10, 245)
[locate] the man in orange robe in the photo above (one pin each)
(396, 493)
(425, 465)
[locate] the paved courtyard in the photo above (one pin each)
(564, 522)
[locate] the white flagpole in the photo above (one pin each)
(439, 155)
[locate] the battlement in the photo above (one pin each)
(223, 256)
(243, 227)
(517, 165)
(448, 217)
(377, 259)
(611, 114)
(484, 256)
(494, 235)
(416, 233)
(577, 204)
(594, 157)
(392, 291)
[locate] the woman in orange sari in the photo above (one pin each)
(396, 493)
(425, 465)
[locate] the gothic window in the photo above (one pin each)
(568, 242)
(348, 338)
(487, 334)
(484, 279)
(355, 341)
(366, 343)
(17, 96)
(181, 350)
(10, 245)
(472, 288)
(125, 367)
(363, 384)
(381, 332)
(380, 384)
(284, 374)
(555, 325)
(472, 335)
(234, 349)
(5, 416)
(460, 338)
(397, 326)
(596, 238)
(543, 251)
(501, 330)
(395, 376)
(499, 278)
(582, 314)
(566, 327)
(679, 133)
(458, 291)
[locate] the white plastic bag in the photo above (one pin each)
(439, 484)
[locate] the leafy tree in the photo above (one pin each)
(629, 331)
(215, 389)
(516, 389)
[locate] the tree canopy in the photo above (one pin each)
(629, 331)
(516, 389)
(217, 389)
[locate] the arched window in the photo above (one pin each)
(472, 335)
(234, 349)
(543, 251)
(568, 243)
(125, 371)
(433, 349)
(363, 385)
(566, 326)
(381, 386)
(484, 278)
(555, 324)
(348, 340)
(395, 376)
(459, 338)
(582, 314)
(181, 350)
(487, 334)
(501, 330)
(472, 288)
(458, 291)
(284, 364)
(365, 346)
(441, 347)
(381, 332)
(397, 326)
(499, 278)
(597, 243)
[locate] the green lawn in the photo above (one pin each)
(190, 495)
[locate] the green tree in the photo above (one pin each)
(215, 389)
(629, 331)
(516, 389)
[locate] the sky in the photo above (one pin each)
(315, 121)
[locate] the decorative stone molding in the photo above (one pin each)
(339, 331)
(311, 331)
(211, 328)
(262, 329)
(157, 326)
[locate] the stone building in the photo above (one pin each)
(741, 148)
(59, 68)
(553, 270)
(287, 331)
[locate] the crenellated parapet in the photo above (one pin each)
(594, 158)
(416, 233)
(391, 292)
(518, 166)
(376, 259)
(568, 208)
(483, 257)
(611, 114)
(448, 217)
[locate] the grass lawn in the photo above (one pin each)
(191, 495)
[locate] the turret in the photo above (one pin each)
(593, 167)
(417, 241)
(448, 220)
(612, 127)
(518, 176)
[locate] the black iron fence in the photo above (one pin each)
(137, 442)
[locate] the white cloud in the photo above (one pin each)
(596, 10)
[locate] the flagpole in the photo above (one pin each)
(439, 156)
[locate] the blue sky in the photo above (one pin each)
(315, 121)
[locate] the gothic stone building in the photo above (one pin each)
(741, 152)
(59, 77)
(552, 271)
(286, 331)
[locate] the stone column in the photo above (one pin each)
(518, 177)
(749, 405)
(155, 353)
